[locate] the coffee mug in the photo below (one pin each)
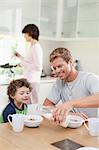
(93, 126)
(17, 122)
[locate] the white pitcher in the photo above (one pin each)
(17, 122)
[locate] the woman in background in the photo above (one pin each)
(32, 63)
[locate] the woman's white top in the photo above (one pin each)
(32, 63)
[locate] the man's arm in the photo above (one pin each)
(87, 102)
(62, 110)
(47, 102)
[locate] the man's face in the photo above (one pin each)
(61, 69)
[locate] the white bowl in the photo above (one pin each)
(65, 122)
(33, 120)
(75, 121)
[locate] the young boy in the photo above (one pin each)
(19, 95)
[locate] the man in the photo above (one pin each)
(78, 90)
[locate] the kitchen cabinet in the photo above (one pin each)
(57, 19)
(8, 16)
(16, 14)
(67, 19)
(30, 10)
(48, 18)
(88, 18)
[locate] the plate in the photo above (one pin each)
(33, 120)
(88, 148)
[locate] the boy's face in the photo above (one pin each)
(22, 95)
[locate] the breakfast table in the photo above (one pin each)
(42, 137)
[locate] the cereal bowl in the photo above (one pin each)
(33, 120)
(65, 122)
(75, 121)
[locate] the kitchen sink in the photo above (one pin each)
(67, 145)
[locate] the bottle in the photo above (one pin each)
(78, 66)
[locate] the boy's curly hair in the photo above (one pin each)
(15, 84)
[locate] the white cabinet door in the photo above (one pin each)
(8, 16)
(80, 19)
(56, 18)
(88, 18)
(44, 91)
(30, 12)
(69, 19)
(18, 13)
(48, 18)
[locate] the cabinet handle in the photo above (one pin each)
(62, 33)
(54, 33)
(78, 32)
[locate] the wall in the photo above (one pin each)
(98, 56)
(87, 51)
(49, 46)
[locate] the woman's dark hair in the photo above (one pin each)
(16, 84)
(32, 30)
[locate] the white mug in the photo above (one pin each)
(17, 122)
(93, 126)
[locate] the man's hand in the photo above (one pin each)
(61, 111)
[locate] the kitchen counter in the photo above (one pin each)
(47, 79)
(42, 137)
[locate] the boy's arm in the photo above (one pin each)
(7, 111)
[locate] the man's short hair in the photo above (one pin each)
(61, 52)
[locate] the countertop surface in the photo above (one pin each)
(47, 79)
(42, 137)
